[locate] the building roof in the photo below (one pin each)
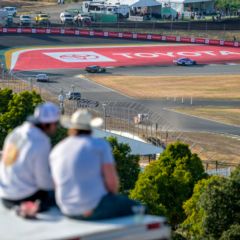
(138, 146)
(146, 3)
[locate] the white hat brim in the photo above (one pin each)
(67, 123)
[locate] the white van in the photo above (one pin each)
(11, 11)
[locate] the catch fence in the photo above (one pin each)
(129, 119)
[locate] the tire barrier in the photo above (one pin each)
(120, 35)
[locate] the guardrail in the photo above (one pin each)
(119, 35)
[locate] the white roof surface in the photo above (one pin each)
(146, 3)
(53, 225)
(131, 2)
(137, 145)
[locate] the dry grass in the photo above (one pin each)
(221, 114)
(155, 87)
(215, 146)
(27, 4)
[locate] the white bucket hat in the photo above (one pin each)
(81, 120)
(45, 113)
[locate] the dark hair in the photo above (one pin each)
(42, 126)
(78, 132)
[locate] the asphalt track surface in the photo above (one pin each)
(65, 78)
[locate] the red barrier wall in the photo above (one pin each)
(126, 35)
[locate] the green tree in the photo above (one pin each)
(60, 135)
(192, 225)
(168, 182)
(19, 106)
(233, 233)
(221, 204)
(127, 165)
(213, 208)
(227, 5)
(5, 96)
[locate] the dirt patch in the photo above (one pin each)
(155, 87)
(27, 4)
(215, 147)
(224, 115)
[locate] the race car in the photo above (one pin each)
(42, 77)
(185, 62)
(95, 69)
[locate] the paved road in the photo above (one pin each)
(212, 69)
(65, 78)
(15, 40)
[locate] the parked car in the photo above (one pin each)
(3, 17)
(185, 62)
(83, 19)
(42, 77)
(95, 69)
(73, 95)
(66, 18)
(9, 20)
(25, 20)
(42, 18)
(11, 11)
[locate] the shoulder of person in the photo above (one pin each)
(102, 142)
(60, 147)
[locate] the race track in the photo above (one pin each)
(65, 78)
(79, 57)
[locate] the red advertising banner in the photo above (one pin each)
(185, 39)
(98, 33)
(214, 42)
(156, 37)
(171, 38)
(40, 30)
(113, 34)
(141, 36)
(55, 30)
(70, 31)
(26, 30)
(84, 32)
(127, 35)
(200, 40)
(228, 43)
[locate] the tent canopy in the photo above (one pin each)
(146, 3)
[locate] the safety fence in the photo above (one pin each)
(119, 35)
(128, 119)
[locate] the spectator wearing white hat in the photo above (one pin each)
(24, 170)
(84, 173)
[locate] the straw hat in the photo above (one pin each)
(81, 120)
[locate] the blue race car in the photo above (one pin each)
(185, 62)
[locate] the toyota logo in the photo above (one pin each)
(79, 56)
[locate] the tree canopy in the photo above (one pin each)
(168, 182)
(227, 4)
(213, 211)
(14, 109)
(127, 165)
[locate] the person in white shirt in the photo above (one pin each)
(24, 169)
(84, 173)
